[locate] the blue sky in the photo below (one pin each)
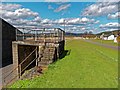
(42, 8)
(79, 16)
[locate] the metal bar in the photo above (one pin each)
(19, 74)
(20, 70)
(58, 36)
(19, 64)
(44, 38)
(23, 33)
(54, 36)
(36, 57)
(16, 34)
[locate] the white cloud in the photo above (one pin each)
(26, 17)
(83, 28)
(62, 7)
(17, 22)
(24, 12)
(110, 30)
(79, 28)
(108, 1)
(83, 20)
(46, 21)
(110, 25)
(60, 21)
(37, 19)
(9, 7)
(101, 8)
(97, 22)
(47, 26)
(18, 16)
(114, 16)
(71, 21)
(24, 22)
(19, 13)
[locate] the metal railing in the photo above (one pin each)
(19, 66)
(41, 35)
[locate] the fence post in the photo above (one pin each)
(16, 34)
(35, 35)
(20, 71)
(36, 57)
(58, 35)
(44, 38)
(54, 35)
(23, 34)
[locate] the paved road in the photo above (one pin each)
(105, 45)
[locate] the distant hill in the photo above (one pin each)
(73, 34)
(81, 34)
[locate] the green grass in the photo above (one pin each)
(109, 42)
(87, 66)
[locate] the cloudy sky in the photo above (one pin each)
(77, 16)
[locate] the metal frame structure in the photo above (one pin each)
(41, 35)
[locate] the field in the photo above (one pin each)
(83, 65)
(109, 42)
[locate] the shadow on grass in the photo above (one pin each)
(65, 53)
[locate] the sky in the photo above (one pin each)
(77, 17)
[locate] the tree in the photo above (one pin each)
(86, 32)
(90, 32)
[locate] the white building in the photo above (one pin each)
(111, 37)
(115, 40)
(105, 38)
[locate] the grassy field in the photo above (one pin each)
(109, 42)
(84, 66)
